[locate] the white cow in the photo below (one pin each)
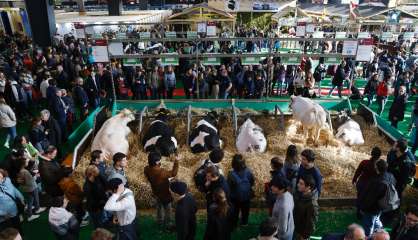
(312, 116)
(113, 135)
(350, 132)
(251, 138)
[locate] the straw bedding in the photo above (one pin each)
(336, 161)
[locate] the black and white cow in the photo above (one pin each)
(205, 136)
(160, 137)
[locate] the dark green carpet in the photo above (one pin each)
(329, 221)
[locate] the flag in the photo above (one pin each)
(353, 10)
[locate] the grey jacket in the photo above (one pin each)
(7, 116)
(283, 214)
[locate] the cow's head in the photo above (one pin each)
(126, 113)
(344, 116)
(213, 118)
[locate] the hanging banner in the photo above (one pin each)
(115, 48)
(99, 51)
(211, 29)
(191, 34)
(290, 60)
(131, 62)
(386, 36)
(250, 60)
(310, 28)
(332, 60)
(170, 60)
(408, 35)
(301, 29)
(170, 34)
(144, 35)
(201, 27)
(319, 34)
(363, 35)
(79, 30)
(211, 61)
(349, 48)
(364, 50)
(339, 35)
(121, 35)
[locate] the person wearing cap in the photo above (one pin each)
(159, 180)
(283, 208)
(186, 209)
(268, 230)
(117, 170)
(122, 203)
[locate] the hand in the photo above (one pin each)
(207, 183)
(120, 190)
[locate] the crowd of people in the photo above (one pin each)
(56, 87)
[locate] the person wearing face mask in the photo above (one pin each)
(397, 110)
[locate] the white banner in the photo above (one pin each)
(364, 53)
(116, 48)
(349, 48)
(339, 35)
(201, 27)
(310, 28)
(300, 31)
(211, 30)
(363, 35)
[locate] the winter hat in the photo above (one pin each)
(178, 187)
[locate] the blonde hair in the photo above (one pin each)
(92, 171)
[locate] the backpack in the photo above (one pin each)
(391, 199)
(243, 191)
(199, 176)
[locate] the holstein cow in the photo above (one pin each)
(205, 136)
(113, 135)
(349, 131)
(251, 138)
(312, 116)
(160, 137)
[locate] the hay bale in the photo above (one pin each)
(336, 161)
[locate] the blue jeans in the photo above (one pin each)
(11, 134)
(32, 199)
(371, 222)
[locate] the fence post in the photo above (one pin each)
(234, 117)
(281, 122)
(189, 122)
(141, 117)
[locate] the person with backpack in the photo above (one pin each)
(382, 94)
(215, 157)
(379, 196)
(240, 181)
(19, 99)
(63, 223)
(401, 165)
(283, 209)
(319, 75)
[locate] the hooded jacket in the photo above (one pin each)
(7, 116)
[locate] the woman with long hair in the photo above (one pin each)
(291, 166)
(219, 224)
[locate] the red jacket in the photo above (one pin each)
(382, 90)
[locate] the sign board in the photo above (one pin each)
(332, 60)
(170, 60)
(121, 35)
(170, 34)
(339, 35)
(301, 29)
(363, 35)
(99, 51)
(386, 36)
(232, 5)
(191, 34)
(144, 35)
(211, 29)
(290, 60)
(408, 35)
(116, 48)
(349, 48)
(212, 61)
(250, 60)
(131, 62)
(89, 30)
(310, 28)
(318, 34)
(79, 30)
(201, 27)
(364, 50)
(393, 17)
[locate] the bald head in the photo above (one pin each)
(355, 232)
(380, 235)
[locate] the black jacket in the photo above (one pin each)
(218, 227)
(51, 173)
(400, 233)
(398, 108)
(38, 138)
(186, 218)
(213, 186)
(58, 108)
(398, 167)
(339, 77)
(54, 131)
(305, 213)
(92, 89)
(374, 191)
(95, 193)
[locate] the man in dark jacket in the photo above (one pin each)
(59, 111)
(338, 80)
(307, 167)
(397, 110)
(80, 97)
(92, 88)
(158, 178)
(407, 228)
(353, 232)
(371, 196)
(52, 128)
(306, 208)
(186, 209)
(189, 83)
(215, 180)
(51, 173)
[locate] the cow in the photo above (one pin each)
(349, 131)
(251, 138)
(113, 135)
(205, 136)
(312, 116)
(160, 137)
